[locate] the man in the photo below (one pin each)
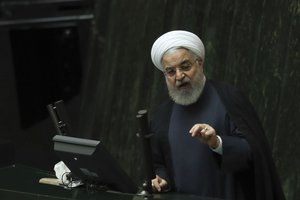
(208, 140)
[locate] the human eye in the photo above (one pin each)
(186, 66)
(170, 71)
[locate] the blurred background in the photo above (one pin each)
(95, 55)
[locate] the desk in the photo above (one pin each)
(19, 182)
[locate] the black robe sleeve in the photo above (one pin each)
(160, 145)
(266, 180)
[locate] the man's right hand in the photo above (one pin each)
(159, 184)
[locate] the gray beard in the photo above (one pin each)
(187, 96)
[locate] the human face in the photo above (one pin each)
(184, 76)
(180, 65)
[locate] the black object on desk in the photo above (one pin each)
(90, 162)
(87, 159)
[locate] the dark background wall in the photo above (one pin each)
(105, 74)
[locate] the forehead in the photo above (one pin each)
(176, 57)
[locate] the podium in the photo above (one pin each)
(19, 182)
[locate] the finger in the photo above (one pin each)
(196, 130)
(193, 128)
(163, 184)
(155, 185)
(196, 133)
(202, 131)
(207, 134)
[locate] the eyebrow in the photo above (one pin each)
(185, 61)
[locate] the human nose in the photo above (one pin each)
(179, 74)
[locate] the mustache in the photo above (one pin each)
(183, 81)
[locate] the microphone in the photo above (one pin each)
(145, 135)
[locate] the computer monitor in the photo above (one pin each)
(90, 162)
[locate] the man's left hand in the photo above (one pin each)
(206, 134)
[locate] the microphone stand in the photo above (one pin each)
(145, 135)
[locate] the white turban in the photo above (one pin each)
(172, 39)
